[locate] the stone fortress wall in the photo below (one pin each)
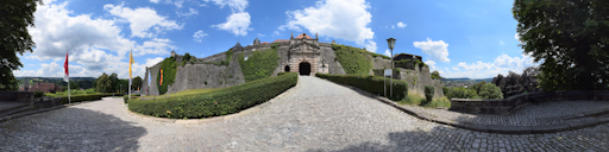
(203, 73)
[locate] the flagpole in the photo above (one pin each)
(69, 100)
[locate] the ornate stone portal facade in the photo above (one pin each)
(304, 56)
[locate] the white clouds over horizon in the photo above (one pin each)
(438, 50)
(343, 19)
(479, 69)
(95, 45)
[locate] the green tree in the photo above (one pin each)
(17, 15)
(570, 37)
(103, 83)
(435, 75)
(489, 91)
(136, 83)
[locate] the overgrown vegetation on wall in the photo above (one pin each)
(260, 64)
(409, 63)
(169, 73)
(354, 60)
(216, 102)
(372, 84)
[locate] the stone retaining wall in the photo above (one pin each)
(16, 96)
(514, 103)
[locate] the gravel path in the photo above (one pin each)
(316, 115)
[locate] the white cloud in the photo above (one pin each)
(436, 49)
(142, 20)
(431, 64)
(157, 46)
(237, 23)
(371, 46)
(342, 19)
(400, 24)
(198, 36)
(154, 1)
(387, 53)
(191, 12)
(178, 3)
(95, 44)
(235, 5)
(153, 61)
(501, 65)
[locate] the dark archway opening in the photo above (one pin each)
(286, 68)
(304, 68)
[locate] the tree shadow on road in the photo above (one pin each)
(69, 129)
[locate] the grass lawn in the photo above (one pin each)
(73, 92)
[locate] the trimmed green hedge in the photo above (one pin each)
(353, 60)
(80, 98)
(169, 74)
(218, 102)
(372, 84)
(260, 64)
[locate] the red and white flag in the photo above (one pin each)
(65, 68)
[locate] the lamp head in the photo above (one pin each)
(391, 43)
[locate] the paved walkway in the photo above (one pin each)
(316, 115)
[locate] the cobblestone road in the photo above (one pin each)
(316, 115)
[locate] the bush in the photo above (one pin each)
(133, 96)
(460, 92)
(414, 99)
(371, 84)
(38, 94)
(354, 60)
(80, 98)
(429, 91)
(217, 102)
(490, 91)
(260, 64)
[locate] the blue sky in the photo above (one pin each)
(475, 38)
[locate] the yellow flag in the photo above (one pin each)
(130, 62)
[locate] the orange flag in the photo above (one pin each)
(161, 81)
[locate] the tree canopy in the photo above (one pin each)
(570, 38)
(17, 15)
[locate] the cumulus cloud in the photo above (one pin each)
(387, 52)
(236, 23)
(95, 45)
(143, 22)
(400, 24)
(154, 1)
(198, 36)
(431, 64)
(342, 19)
(501, 65)
(436, 49)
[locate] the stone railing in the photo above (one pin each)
(514, 103)
(16, 96)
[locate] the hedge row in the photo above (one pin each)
(218, 102)
(80, 98)
(372, 84)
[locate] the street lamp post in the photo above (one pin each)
(391, 43)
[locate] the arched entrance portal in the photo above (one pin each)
(286, 68)
(304, 68)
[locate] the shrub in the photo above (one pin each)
(460, 92)
(490, 91)
(217, 102)
(355, 61)
(133, 96)
(38, 94)
(371, 84)
(429, 91)
(435, 75)
(260, 64)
